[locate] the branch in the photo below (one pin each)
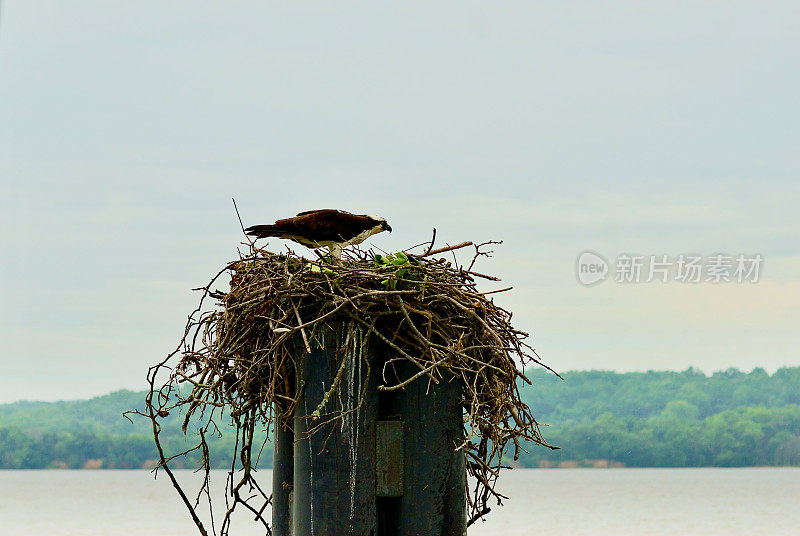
(448, 248)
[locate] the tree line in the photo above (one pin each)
(648, 419)
(668, 419)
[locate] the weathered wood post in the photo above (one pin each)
(387, 467)
(282, 475)
(334, 476)
(433, 501)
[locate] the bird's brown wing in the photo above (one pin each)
(306, 212)
(323, 225)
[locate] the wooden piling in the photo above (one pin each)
(334, 475)
(282, 476)
(387, 467)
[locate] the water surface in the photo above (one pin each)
(591, 502)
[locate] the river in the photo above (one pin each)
(575, 502)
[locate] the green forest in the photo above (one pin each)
(668, 419)
(598, 418)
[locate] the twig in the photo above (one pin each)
(495, 291)
(430, 247)
(241, 224)
(302, 329)
(445, 249)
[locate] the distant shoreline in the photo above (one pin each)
(588, 469)
(600, 419)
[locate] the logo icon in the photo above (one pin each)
(591, 268)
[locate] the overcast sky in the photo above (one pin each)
(659, 128)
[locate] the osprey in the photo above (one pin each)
(335, 229)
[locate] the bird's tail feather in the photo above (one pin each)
(263, 231)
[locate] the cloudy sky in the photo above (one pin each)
(644, 128)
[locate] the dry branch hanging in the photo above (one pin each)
(237, 362)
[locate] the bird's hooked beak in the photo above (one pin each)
(387, 227)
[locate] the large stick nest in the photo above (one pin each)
(237, 362)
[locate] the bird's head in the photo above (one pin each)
(382, 224)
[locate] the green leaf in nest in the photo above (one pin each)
(400, 258)
(318, 269)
